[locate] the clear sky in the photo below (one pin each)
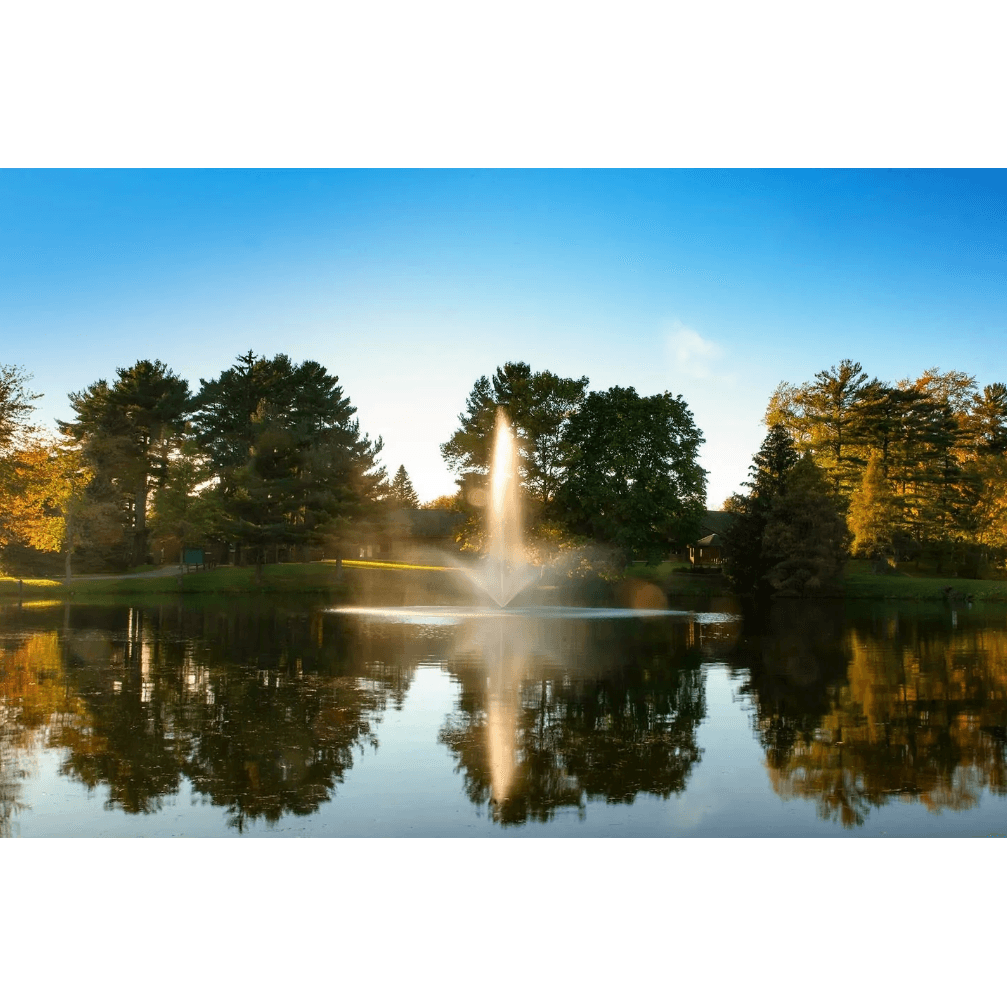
(409, 285)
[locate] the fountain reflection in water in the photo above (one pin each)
(506, 640)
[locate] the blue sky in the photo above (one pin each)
(411, 284)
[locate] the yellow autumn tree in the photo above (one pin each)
(874, 511)
(42, 501)
(991, 503)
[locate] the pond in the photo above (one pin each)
(301, 718)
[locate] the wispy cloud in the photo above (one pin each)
(692, 355)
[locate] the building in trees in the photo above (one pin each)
(708, 548)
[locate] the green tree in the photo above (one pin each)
(539, 406)
(931, 433)
(987, 420)
(744, 564)
(633, 479)
(17, 403)
(291, 463)
(831, 411)
(806, 539)
(185, 509)
(127, 431)
(991, 504)
(402, 493)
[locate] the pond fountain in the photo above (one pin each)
(505, 639)
(505, 571)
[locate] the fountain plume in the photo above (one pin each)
(505, 572)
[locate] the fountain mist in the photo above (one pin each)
(505, 572)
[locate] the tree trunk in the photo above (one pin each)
(140, 526)
(69, 541)
(258, 565)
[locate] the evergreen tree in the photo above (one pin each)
(291, 463)
(402, 493)
(745, 565)
(185, 509)
(806, 538)
(987, 422)
(127, 431)
(834, 404)
(17, 403)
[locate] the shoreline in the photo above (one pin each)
(413, 580)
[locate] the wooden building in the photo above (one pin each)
(708, 549)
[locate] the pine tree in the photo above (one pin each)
(806, 537)
(744, 565)
(292, 464)
(127, 431)
(402, 493)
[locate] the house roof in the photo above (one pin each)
(715, 522)
(710, 540)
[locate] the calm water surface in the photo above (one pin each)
(295, 719)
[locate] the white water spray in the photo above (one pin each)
(505, 572)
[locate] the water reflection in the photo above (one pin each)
(555, 712)
(856, 709)
(261, 711)
(265, 712)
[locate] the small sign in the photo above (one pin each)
(193, 557)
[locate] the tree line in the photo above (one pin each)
(612, 468)
(267, 458)
(268, 455)
(913, 471)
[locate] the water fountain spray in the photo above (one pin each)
(505, 572)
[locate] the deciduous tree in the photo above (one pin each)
(874, 511)
(634, 479)
(539, 406)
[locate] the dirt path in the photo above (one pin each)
(164, 571)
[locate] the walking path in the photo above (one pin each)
(162, 571)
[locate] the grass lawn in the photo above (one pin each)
(858, 581)
(674, 578)
(277, 578)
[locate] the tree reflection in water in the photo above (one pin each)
(859, 708)
(553, 712)
(261, 710)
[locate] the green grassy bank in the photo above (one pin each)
(859, 581)
(367, 582)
